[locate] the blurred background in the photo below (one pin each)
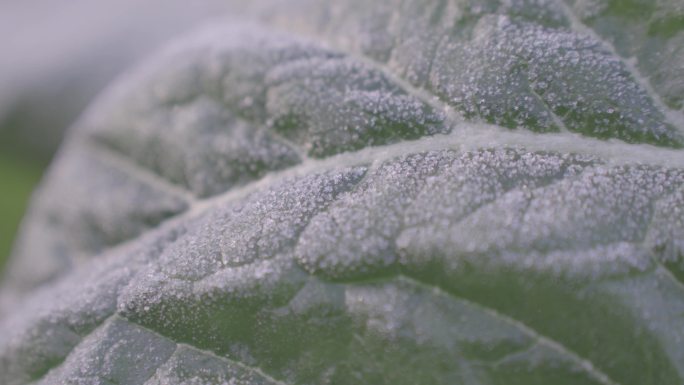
(57, 56)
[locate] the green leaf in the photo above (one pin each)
(409, 192)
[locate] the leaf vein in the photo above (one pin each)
(242, 365)
(675, 117)
(584, 363)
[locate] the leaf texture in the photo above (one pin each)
(434, 192)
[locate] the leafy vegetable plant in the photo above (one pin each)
(358, 192)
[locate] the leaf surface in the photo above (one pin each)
(464, 192)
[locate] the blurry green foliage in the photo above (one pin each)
(19, 175)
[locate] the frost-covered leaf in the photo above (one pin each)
(442, 192)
